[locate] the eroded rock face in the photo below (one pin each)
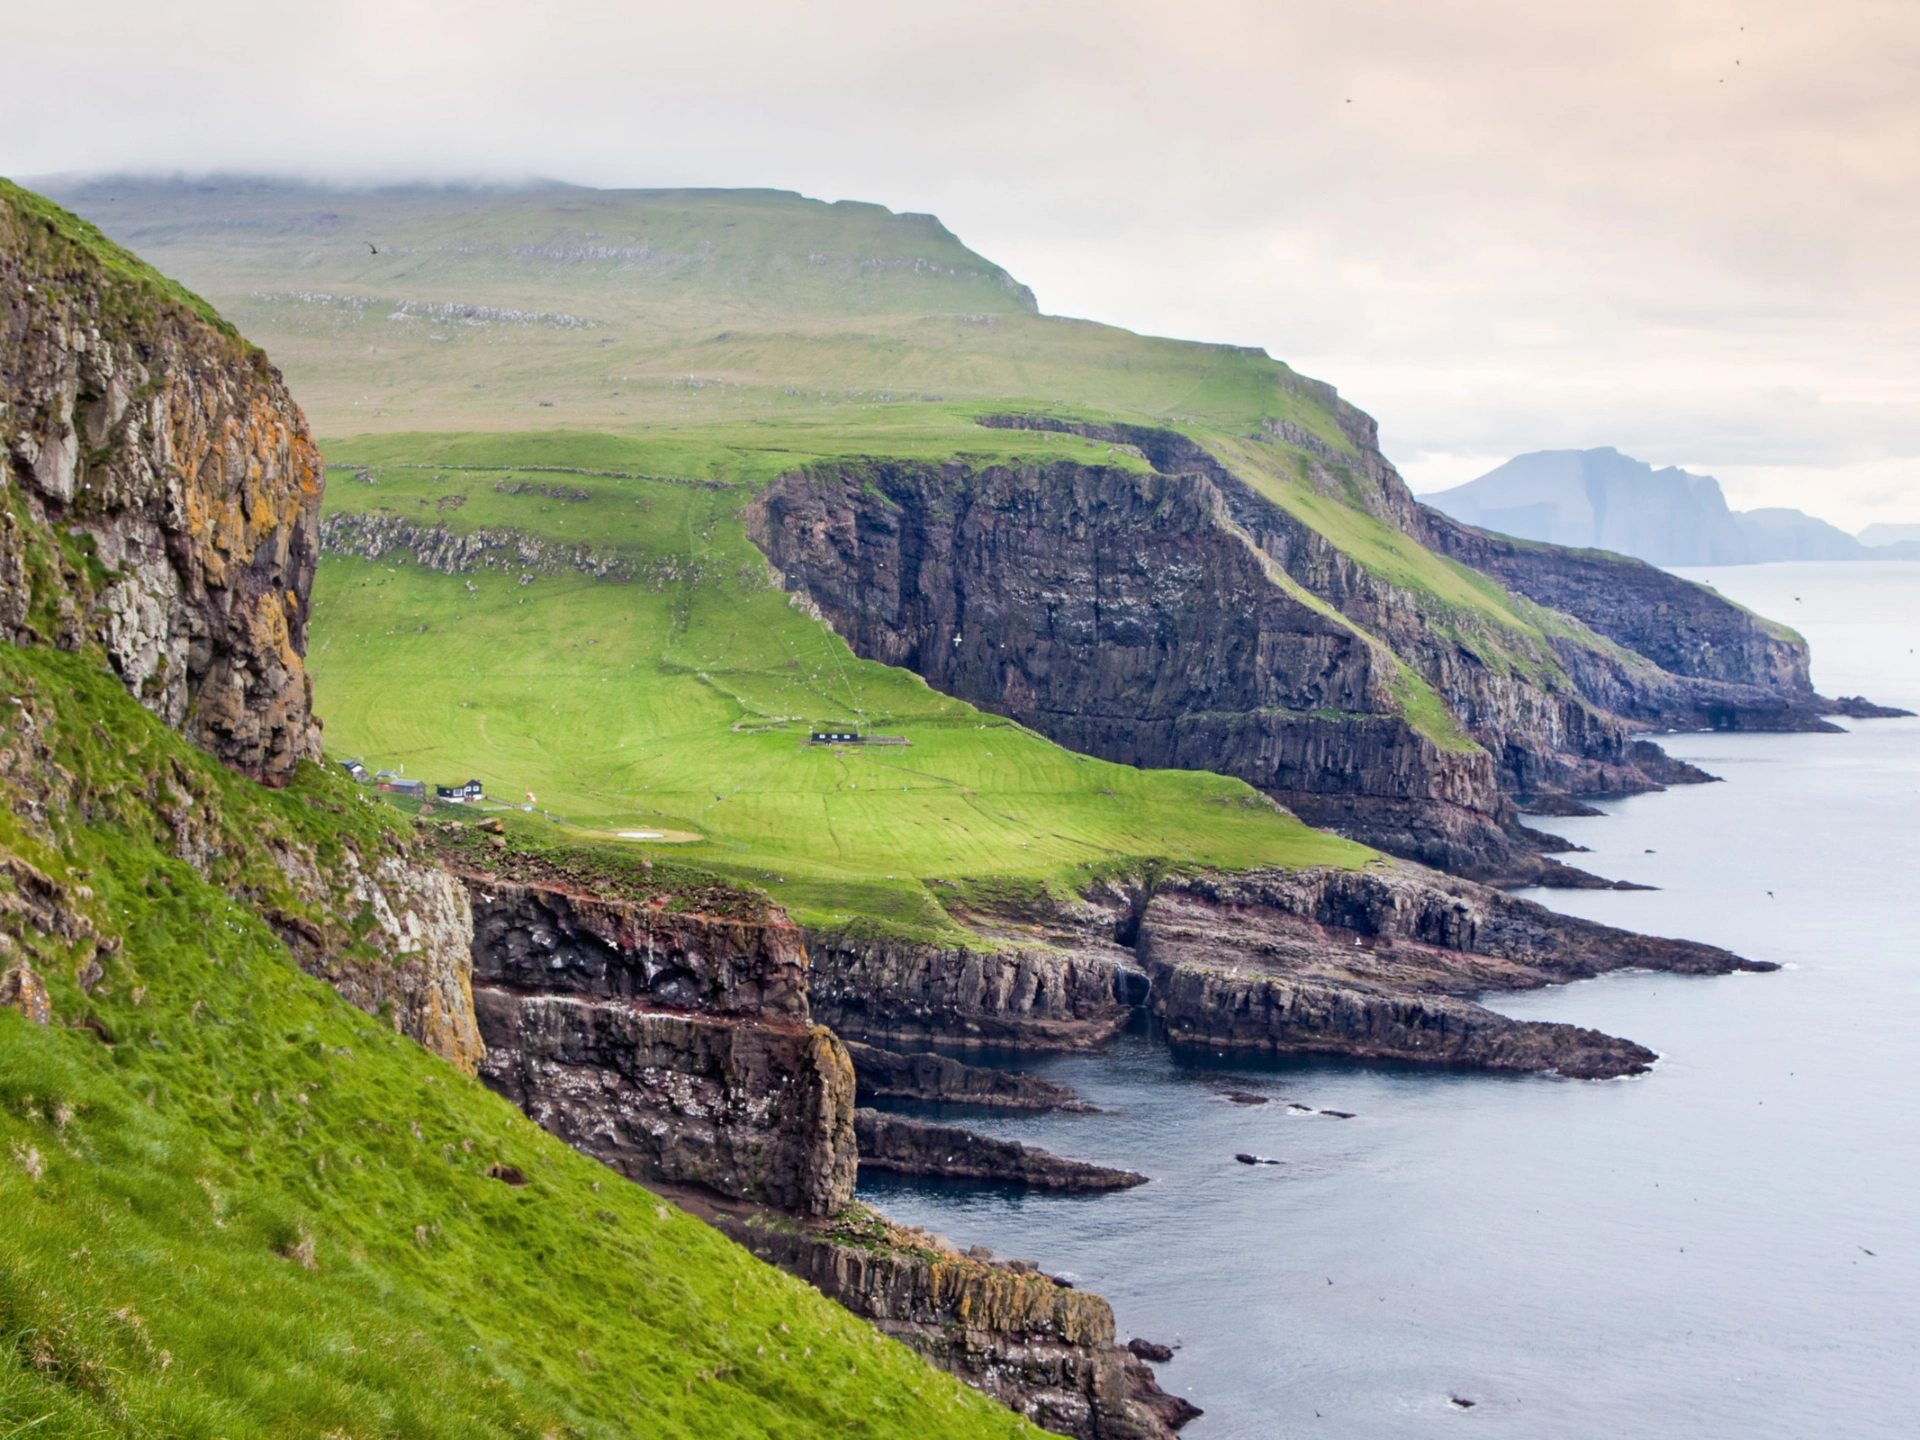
(754, 1111)
(1035, 1346)
(917, 1147)
(163, 493)
(940, 1079)
(1130, 617)
(1717, 666)
(1025, 997)
(1379, 964)
(23, 990)
(1183, 618)
(676, 1047)
(414, 960)
(543, 938)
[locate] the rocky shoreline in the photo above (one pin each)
(671, 1026)
(661, 1023)
(942, 1080)
(1381, 962)
(917, 1147)
(1028, 1339)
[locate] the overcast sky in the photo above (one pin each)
(1686, 228)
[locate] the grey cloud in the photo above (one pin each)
(1535, 224)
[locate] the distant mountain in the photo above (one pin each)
(1875, 535)
(1603, 500)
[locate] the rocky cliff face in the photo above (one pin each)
(162, 493)
(1182, 618)
(942, 1080)
(908, 1146)
(1054, 997)
(1379, 964)
(1128, 617)
(663, 1026)
(1035, 1345)
(159, 508)
(1713, 664)
(412, 957)
(676, 1045)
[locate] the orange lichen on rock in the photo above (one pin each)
(138, 428)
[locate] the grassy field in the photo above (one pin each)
(608, 310)
(683, 702)
(445, 337)
(259, 1212)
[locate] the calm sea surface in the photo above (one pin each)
(1729, 1246)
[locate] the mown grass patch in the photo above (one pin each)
(683, 699)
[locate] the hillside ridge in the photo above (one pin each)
(249, 1184)
(1601, 499)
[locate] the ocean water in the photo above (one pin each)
(1726, 1247)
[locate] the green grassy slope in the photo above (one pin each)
(76, 246)
(723, 332)
(726, 336)
(258, 1212)
(607, 310)
(682, 701)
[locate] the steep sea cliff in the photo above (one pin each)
(1185, 617)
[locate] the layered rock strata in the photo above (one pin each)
(1719, 667)
(1024, 1338)
(663, 1026)
(1046, 997)
(1378, 964)
(163, 493)
(673, 1046)
(1183, 618)
(1125, 616)
(1381, 962)
(942, 1080)
(915, 1147)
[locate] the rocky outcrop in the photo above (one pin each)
(674, 1045)
(1378, 964)
(756, 1111)
(915, 1147)
(163, 494)
(942, 1080)
(1066, 997)
(411, 959)
(1714, 665)
(22, 989)
(159, 505)
(1024, 1338)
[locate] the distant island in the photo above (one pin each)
(1603, 500)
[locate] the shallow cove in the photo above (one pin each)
(1684, 1255)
